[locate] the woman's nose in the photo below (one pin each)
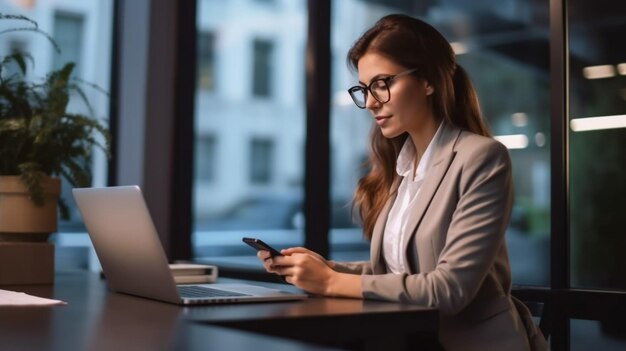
(371, 103)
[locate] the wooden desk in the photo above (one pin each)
(95, 319)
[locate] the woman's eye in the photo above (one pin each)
(379, 84)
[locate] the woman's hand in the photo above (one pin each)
(303, 268)
(309, 271)
(266, 258)
(291, 251)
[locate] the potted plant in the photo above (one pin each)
(40, 141)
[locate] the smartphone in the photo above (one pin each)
(260, 245)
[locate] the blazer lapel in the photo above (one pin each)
(443, 156)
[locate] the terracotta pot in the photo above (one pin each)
(20, 218)
(25, 255)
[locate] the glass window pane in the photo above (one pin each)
(68, 33)
(261, 155)
(505, 50)
(262, 69)
(14, 46)
(596, 335)
(255, 110)
(597, 132)
(82, 31)
(206, 60)
(205, 161)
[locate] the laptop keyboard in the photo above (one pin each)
(192, 291)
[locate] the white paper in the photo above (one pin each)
(15, 298)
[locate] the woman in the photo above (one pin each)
(436, 201)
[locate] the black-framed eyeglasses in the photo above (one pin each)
(379, 88)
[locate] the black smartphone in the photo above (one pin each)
(258, 244)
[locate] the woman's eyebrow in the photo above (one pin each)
(378, 76)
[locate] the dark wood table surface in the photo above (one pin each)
(95, 319)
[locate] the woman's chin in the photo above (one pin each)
(389, 133)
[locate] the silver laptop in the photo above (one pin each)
(133, 260)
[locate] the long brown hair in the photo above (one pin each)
(411, 43)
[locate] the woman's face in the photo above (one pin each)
(409, 108)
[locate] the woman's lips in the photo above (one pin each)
(380, 120)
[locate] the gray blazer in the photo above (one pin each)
(455, 254)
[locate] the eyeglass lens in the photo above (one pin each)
(378, 89)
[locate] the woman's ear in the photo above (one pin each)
(429, 88)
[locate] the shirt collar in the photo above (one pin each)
(406, 157)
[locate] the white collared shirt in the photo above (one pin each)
(408, 192)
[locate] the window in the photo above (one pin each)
(262, 71)
(15, 46)
(68, 33)
(597, 144)
(256, 155)
(205, 158)
(206, 49)
(261, 159)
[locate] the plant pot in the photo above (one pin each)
(25, 255)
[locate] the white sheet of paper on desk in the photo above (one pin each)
(15, 298)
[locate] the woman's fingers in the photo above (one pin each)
(299, 266)
(300, 250)
(290, 251)
(267, 261)
(305, 271)
(263, 255)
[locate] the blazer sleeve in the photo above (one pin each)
(474, 236)
(359, 267)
